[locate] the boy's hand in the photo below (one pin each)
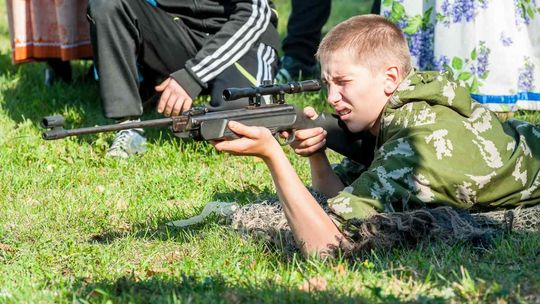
(254, 141)
(174, 99)
(308, 141)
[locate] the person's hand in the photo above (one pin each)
(308, 141)
(174, 99)
(253, 141)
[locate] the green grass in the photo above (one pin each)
(76, 227)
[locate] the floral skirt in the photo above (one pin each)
(492, 46)
(45, 29)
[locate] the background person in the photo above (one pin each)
(55, 32)
(186, 47)
(304, 32)
(491, 46)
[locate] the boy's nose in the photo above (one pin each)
(333, 96)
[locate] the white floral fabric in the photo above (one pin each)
(492, 46)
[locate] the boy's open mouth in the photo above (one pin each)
(343, 112)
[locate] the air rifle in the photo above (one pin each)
(199, 123)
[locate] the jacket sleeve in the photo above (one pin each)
(246, 24)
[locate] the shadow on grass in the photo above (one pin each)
(203, 289)
(507, 268)
(501, 273)
(26, 97)
(165, 233)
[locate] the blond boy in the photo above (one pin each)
(434, 146)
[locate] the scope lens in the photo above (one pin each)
(52, 121)
(226, 94)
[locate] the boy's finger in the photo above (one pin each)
(219, 145)
(310, 113)
(187, 105)
(231, 146)
(178, 106)
(312, 141)
(162, 85)
(308, 133)
(169, 106)
(163, 100)
(224, 145)
(235, 126)
(310, 150)
(243, 130)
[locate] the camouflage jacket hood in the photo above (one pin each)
(435, 88)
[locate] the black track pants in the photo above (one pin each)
(132, 39)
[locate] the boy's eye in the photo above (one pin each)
(341, 82)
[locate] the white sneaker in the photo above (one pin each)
(126, 143)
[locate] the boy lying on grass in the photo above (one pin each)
(434, 145)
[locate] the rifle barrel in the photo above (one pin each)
(57, 133)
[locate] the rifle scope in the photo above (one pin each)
(52, 121)
(272, 89)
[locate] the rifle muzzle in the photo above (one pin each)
(55, 124)
(55, 133)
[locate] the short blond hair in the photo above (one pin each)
(371, 39)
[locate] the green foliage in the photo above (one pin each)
(415, 23)
(464, 76)
(76, 227)
(457, 63)
(426, 19)
(474, 55)
(463, 68)
(397, 12)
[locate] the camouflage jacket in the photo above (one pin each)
(436, 146)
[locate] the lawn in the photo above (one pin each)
(78, 227)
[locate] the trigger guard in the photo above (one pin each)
(284, 142)
(290, 138)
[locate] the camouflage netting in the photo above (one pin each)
(267, 221)
(518, 219)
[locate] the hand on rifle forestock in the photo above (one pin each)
(253, 141)
(308, 141)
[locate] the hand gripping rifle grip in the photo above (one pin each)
(356, 146)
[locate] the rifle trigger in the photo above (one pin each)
(281, 140)
(290, 138)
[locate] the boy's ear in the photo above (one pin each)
(392, 79)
